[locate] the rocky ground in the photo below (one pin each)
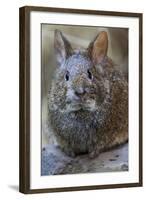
(54, 161)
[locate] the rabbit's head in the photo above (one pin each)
(79, 82)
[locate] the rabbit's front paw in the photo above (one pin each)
(94, 153)
(69, 152)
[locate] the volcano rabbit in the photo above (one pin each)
(88, 100)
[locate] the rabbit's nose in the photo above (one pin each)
(80, 91)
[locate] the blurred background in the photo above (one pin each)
(79, 36)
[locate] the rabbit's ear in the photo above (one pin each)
(98, 48)
(62, 46)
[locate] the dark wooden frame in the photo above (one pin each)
(24, 99)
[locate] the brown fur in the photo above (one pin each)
(88, 116)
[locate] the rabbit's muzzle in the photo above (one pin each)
(81, 94)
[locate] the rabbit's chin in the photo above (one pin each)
(87, 106)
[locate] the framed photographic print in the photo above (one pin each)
(80, 99)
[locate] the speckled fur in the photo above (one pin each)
(101, 121)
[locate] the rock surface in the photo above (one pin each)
(54, 161)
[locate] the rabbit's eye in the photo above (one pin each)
(67, 76)
(89, 74)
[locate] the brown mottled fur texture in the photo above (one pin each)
(88, 101)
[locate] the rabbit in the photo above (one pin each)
(88, 99)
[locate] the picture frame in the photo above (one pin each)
(31, 20)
